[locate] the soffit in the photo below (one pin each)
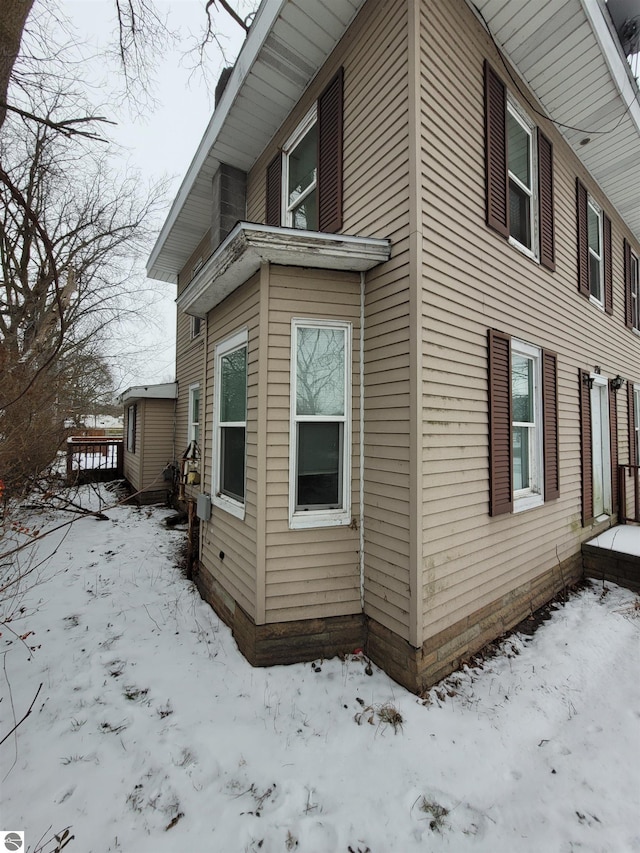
(568, 53)
(288, 43)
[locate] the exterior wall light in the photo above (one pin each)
(616, 383)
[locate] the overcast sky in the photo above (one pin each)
(160, 136)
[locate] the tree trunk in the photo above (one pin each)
(12, 20)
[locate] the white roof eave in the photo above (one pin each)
(250, 245)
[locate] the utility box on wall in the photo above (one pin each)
(203, 507)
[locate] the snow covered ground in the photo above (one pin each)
(151, 733)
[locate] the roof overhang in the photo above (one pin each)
(568, 53)
(250, 245)
(164, 391)
(286, 46)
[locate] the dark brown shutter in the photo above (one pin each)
(608, 270)
(585, 447)
(628, 310)
(274, 191)
(631, 410)
(500, 491)
(330, 156)
(545, 199)
(613, 440)
(550, 422)
(495, 141)
(583, 237)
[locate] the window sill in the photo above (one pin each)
(523, 249)
(596, 302)
(234, 508)
(527, 502)
(328, 518)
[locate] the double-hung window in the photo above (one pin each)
(320, 462)
(304, 179)
(519, 174)
(523, 425)
(594, 241)
(632, 287)
(300, 173)
(230, 423)
(526, 426)
(194, 413)
(521, 163)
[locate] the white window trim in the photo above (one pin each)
(602, 382)
(230, 505)
(191, 434)
(529, 498)
(303, 520)
(529, 127)
(593, 204)
(301, 130)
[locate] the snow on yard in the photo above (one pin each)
(151, 733)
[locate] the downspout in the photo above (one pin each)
(361, 526)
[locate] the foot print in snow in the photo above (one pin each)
(71, 621)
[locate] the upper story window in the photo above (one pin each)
(595, 273)
(594, 238)
(521, 162)
(299, 176)
(519, 175)
(304, 180)
(632, 287)
(230, 423)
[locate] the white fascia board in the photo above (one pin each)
(260, 28)
(163, 391)
(249, 245)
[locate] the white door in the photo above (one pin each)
(600, 448)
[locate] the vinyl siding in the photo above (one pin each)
(373, 54)
(474, 280)
(190, 356)
(309, 573)
(225, 533)
(158, 441)
(132, 460)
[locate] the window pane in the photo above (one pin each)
(232, 462)
(519, 142)
(305, 215)
(519, 215)
(593, 223)
(522, 389)
(319, 471)
(521, 470)
(320, 372)
(594, 277)
(233, 386)
(195, 414)
(302, 165)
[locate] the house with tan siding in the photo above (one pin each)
(149, 440)
(406, 259)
